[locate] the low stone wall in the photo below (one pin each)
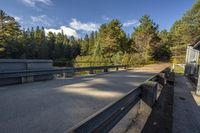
(11, 65)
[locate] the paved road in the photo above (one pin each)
(56, 105)
(186, 108)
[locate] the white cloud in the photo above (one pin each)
(130, 23)
(66, 30)
(75, 24)
(72, 29)
(17, 18)
(42, 19)
(105, 18)
(33, 3)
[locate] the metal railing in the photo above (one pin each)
(104, 120)
(26, 73)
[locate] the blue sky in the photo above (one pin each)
(76, 17)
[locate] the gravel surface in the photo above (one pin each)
(56, 105)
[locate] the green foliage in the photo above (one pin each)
(17, 43)
(107, 46)
(10, 36)
(165, 37)
(83, 61)
(111, 38)
(181, 33)
(91, 43)
(133, 59)
(85, 45)
(125, 59)
(97, 50)
(178, 69)
(162, 53)
(146, 38)
(185, 31)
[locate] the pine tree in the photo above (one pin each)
(85, 45)
(145, 37)
(111, 38)
(91, 43)
(51, 38)
(9, 34)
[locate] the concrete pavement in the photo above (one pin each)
(186, 108)
(56, 105)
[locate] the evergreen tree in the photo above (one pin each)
(111, 38)
(163, 53)
(145, 37)
(51, 39)
(9, 34)
(187, 30)
(85, 45)
(91, 43)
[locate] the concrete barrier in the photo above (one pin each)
(149, 92)
(10, 65)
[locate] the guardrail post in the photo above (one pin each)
(105, 70)
(117, 68)
(162, 79)
(38, 70)
(171, 78)
(64, 74)
(27, 79)
(91, 71)
(69, 74)
(106, 119)
(149, 92)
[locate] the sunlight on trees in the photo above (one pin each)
(109, 44)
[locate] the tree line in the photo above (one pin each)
(34, 43)
(185, 31)
(110, 43)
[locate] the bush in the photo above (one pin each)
(162, 53)
(119, 59)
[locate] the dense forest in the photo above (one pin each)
(109, 44)
(185, 31)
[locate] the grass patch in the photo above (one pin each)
(178, 69)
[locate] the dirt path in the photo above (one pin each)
(154, 68)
